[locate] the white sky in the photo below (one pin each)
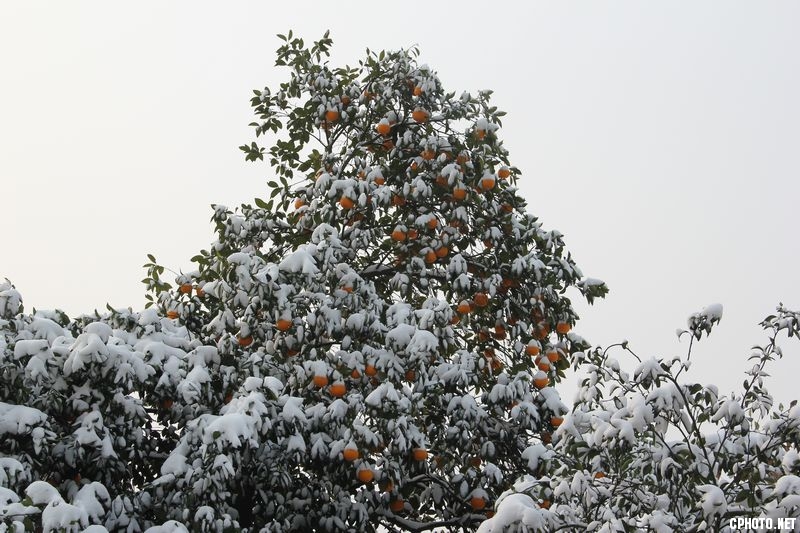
(662, 138)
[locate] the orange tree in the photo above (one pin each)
(410, 314)
(374, 344)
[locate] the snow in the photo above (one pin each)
(19, 419)
(300, 261)
(516, 509)
(60, 515)
(171, 526)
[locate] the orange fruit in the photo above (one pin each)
(441, 181)
(464, 307)
(455, 320)
(283, 324)
(459, 193)
(320, 381)
(420, 454)
(380, 180)
(398, 235)
(245, 341)
(480, 134)
(331, 115)
(345, 100)
(172, 313)
(599, 475)
(397, 505)
(430, 257)
(338, 389)
(355, 374)
(477, 503)
(412, 234)
(432, 223)
(556, 421)
(487, 183)
(350, 454)
(365, 475)
(346, 203)
(545, 504)
(185, 288)
(370, 370)
(417, 90)
(543, 364)
(199, 292)
(387, 485)
(398, 200)
(410, 375)
(442, 252)
(503, 173)
(499, 332)
(428, 154)
(480, 299)
(420, 115)
(532, 349)
(563, 328)
(298, 203)
(547, 438)
(462, 158)
(383, 128)
(541, 381)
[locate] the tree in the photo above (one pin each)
(374, 344)
(651, 451)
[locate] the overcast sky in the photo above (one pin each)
(662, 138)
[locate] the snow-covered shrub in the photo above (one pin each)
(650, 451)
(375, 344)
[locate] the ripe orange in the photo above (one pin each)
(543, 364)
(245, 341)
(547, 438)
(503, 173)
(355, 374)
(553, 355)
(487, 183)
(464, 307)
(398, 200)
(283, 324)
(420, 115)
(430, 257)
(172, 313)
(459, 193)
(365, 475)
(477, 503)
(417, 90)
(563, 328)
(383, 128)
(420, 454)
(455, 320)
(556, 421)
(442, 252)
(185, 288)
(480, 299)
(298, 203)
(411, 375)
(599, 475)
(545, 504)
(397, 505)
(462, 158)
(541, 381)
(412, 234)
(345, 100)
(320, 381)
(499, 332)
(432, 223)
(441, 181)
(331, 115)
(480, 134)
(532, 349)
(398, 235)
(379, 180)
(428, 154)
(370, 370)
(350, 454)
(338, 389)
(199, 292)
(346, 203)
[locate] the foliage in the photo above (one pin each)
(651, 451)
(372, 345)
